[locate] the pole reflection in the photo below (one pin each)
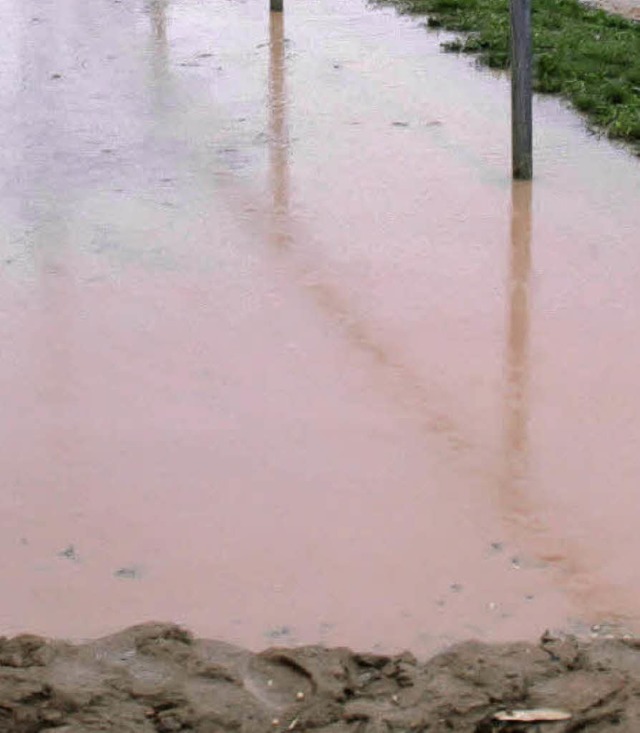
(158, 15)
(278, 131)
(593, 596)
(518, 327)
(158, 48)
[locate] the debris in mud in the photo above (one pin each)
(540, 715)
(280, 632)
(132, 572)
(69, 553)
(158, 678)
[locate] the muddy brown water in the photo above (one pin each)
(285, 355)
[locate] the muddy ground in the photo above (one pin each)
(158, 677)
(628, 8)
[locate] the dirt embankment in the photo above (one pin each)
(156, 678)
(627, 8)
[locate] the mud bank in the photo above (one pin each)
(627, 8)
(159, 678)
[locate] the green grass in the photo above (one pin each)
(588, 56)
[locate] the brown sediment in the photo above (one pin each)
(158, 678)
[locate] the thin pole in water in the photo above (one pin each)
(521, 63)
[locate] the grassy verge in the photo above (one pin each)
(588, 56)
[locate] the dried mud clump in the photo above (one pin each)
(157, 678)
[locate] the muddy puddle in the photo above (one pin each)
(285, 355)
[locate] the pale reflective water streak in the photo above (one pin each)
(568, 558)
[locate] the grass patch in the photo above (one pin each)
(586, 55)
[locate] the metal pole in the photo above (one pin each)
(521, 63)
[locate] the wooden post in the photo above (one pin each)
(276, 6)
(521, 62)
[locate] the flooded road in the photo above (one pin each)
(286, 357)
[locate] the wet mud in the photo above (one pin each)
(158, 678)
(627, 8)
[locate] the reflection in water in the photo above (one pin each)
(278, 133)
(515, 499)
(52, 376)
(592, 594)
(409, 391)
(53, 261)
(158, 15)
(124, 402)
(517, 413)
(158, 46)
(517, 504)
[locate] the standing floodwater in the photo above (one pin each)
(285, 356)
